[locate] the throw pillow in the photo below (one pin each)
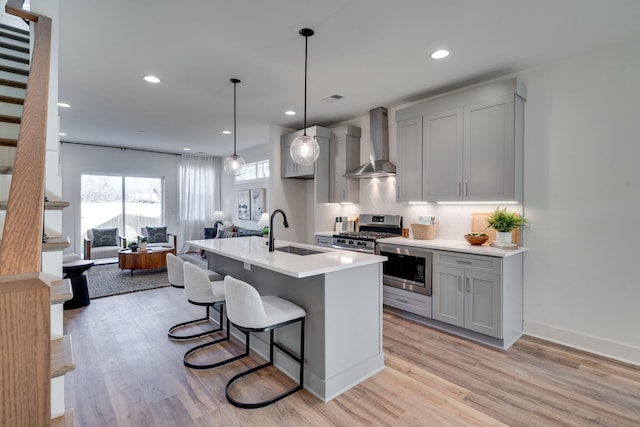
(225, 234)
(104, 237)
(157, 234)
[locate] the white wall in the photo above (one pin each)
(79, 159)
(229, 188)
(582, 193)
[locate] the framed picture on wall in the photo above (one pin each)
(244, 204)
(257, 203)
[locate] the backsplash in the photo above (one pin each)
(378, 196)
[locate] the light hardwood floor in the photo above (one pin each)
(129, 374)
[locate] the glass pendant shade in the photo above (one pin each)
(234, 164)
(305, 150)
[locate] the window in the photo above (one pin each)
(127, 203)
(254, 171)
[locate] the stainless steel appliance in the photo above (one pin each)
(407, 268)
(371, 228)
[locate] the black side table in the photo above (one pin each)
(74, 271)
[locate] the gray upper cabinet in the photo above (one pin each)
(344, 153)
(409, 160)
(290, 169)
(469, 147)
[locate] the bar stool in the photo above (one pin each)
(176, 275)
(249, 312)
(201, 291)
(205, 293)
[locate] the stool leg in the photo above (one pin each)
(272, 344)
(174, 328)
(210, 343)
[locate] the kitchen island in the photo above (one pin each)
(341, 292)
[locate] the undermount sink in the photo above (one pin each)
(297, 251)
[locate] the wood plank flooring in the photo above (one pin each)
(129, 374)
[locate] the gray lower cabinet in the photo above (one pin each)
(479, 293)
(408, 301)
(290, 169)
(465, 146)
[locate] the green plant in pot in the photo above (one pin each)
(504, 223)
(133, 246)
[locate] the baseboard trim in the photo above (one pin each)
(611, 349)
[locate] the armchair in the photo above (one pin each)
(103, 243)
(158, 236)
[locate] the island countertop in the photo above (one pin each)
(253, 250)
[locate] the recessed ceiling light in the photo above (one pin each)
(290, 113)
(226, 132)
(62, 134)
(63, 105)
(440, 54)
(187, 149)
(152, 79)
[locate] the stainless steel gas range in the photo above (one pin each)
(372, 227)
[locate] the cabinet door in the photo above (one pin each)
(483, 303)
(442, 156)
(489, 154)
(448, 295)
(409, 160)
(288, 168)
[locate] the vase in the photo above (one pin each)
(504, 237)
(143, 247)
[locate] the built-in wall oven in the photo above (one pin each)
(407, 268)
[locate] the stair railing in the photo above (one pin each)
(21, 249)
(25, 295)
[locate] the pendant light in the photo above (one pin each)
(234, 164)
(305, 149)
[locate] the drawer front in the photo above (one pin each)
(407, 301)
(324, 241)
(486, 264)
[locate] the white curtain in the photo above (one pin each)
(199, 185)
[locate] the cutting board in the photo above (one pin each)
(479, 225)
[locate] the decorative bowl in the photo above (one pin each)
(476, 240)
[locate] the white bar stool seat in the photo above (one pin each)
(201, 291)
(249, 312)
(205, 293)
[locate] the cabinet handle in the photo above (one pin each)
(466, 189)
(464, 261)
(406, 301)
(458, 194)
(459, 283)
(468, 284)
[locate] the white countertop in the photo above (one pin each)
(253, 250)
(324, 233)
(453, 245)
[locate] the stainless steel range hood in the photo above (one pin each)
(379, 166)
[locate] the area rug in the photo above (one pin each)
(107, 279)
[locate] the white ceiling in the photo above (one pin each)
(372, 52)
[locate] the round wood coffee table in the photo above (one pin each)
(154, 257)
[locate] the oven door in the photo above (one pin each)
(407, 268)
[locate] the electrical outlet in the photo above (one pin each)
(247, 266)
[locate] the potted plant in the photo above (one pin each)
(265, 231)
(143, 243)
(133, 246)
(504, 223)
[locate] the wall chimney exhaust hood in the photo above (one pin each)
(379, 166)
